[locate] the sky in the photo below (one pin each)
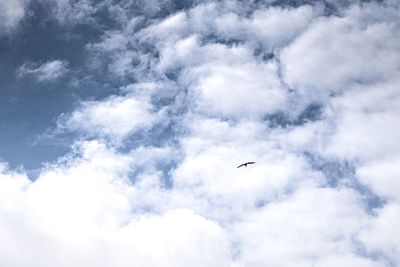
(122, 123)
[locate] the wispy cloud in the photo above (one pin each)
(46, 72)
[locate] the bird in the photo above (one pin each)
(245, 164)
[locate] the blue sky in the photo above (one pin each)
(122, 123)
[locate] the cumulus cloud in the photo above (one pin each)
(115, 118)
(46, 72)
(366, 128)
(382, 175)
(290, 238)
(270, 28)
(152, 177)
(83, 214)
(378, 236)
(226, 73)
(339, 51)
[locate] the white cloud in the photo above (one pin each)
(81, 214)
(272, 27)
(224, 80)
(383, 176)
(115, 118)
(184, 201)
(313, 227)
(280, 211)
(380, 236)
(246, 90)
(11, 14)
(46, 72)
(336, 52)
(366, 122)
(169, 29)
(111, 41)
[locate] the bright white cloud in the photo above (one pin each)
(114, 118)
(380, 235)
(82, 214)
(312, 227)
(46, 72)
(206, 78)
(269, 28)
(382, 175)
(272, 28)
(229, 81)
(235, 90)
(366, 128)
(336, 52)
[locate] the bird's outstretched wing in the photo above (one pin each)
(245, 164)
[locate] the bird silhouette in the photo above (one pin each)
(245, 164)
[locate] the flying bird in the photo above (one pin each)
(245, 164)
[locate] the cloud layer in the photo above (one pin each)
(309, 92)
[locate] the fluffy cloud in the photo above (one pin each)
(312, 227)
(217, 85)
(114, 119)
(230, 82)
(265, 30)
(46, 72)
(82, 214)
(337, 52)
(271, 28)
(383, 176)
(378, 237)
(366, 128)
